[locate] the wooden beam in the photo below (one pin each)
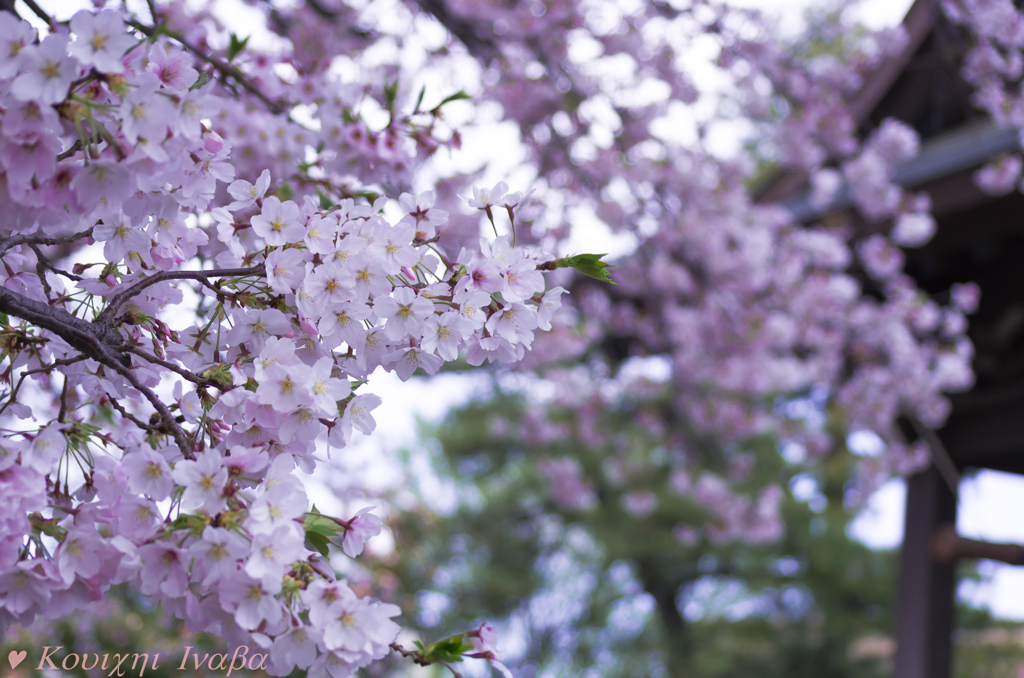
(924, 615)
(948, 547)
(984, 429)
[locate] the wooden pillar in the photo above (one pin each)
(927, 588)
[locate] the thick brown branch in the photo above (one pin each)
(96, 340)
(116, 301)
(8, 6)
(37, 240)
(463, 30)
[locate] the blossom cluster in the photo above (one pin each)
(143, 448)
(749, 306)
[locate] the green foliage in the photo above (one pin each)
(598, 592)
(589, 265)
(236, 46)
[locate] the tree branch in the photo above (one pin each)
(95, 339)
(223, 67)
(8, 6)
(38, 11)
(116, 301)
(165, 414)
(16, 240)
(190, 376)
(46, 369)
(463, 30)
(45, 262)
(129, 416)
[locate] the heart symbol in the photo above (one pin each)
(16, 658)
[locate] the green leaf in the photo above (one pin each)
(448, 650)
(589, 265)
(318, 543)
(321, 525)
(236, 46)
(204, 77)
(419, 99)
(391, 94)
(458, 96)
(47, 526)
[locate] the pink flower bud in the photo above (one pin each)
(213, 143)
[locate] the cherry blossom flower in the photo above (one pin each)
(79, 556)
(405, 313)
(272, 552)
(484, 198)
(421, 208)
(286, 270)
(286, 387)
(251, 601)
(913, 230)
(357, 415)
(174, 69)
(148, 473)
(360, 528)
(100, 40)
(326, 389)
(203, 480)
(444, 334)
(46, 71)
(15, 35)
(278, 223)
(147, 114)
(246, 194)
(217, 554)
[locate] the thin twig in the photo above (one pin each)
(46, 369)
(116, 301)
(46, 263)
(222, 66)
(72, 149)
(129, 416)
(194, 378)
(165, 414)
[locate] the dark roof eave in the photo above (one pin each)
(963, 148)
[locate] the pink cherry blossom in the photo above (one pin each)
(46, 71)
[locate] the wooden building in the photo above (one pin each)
(980, 238)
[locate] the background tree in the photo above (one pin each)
(628, 575)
